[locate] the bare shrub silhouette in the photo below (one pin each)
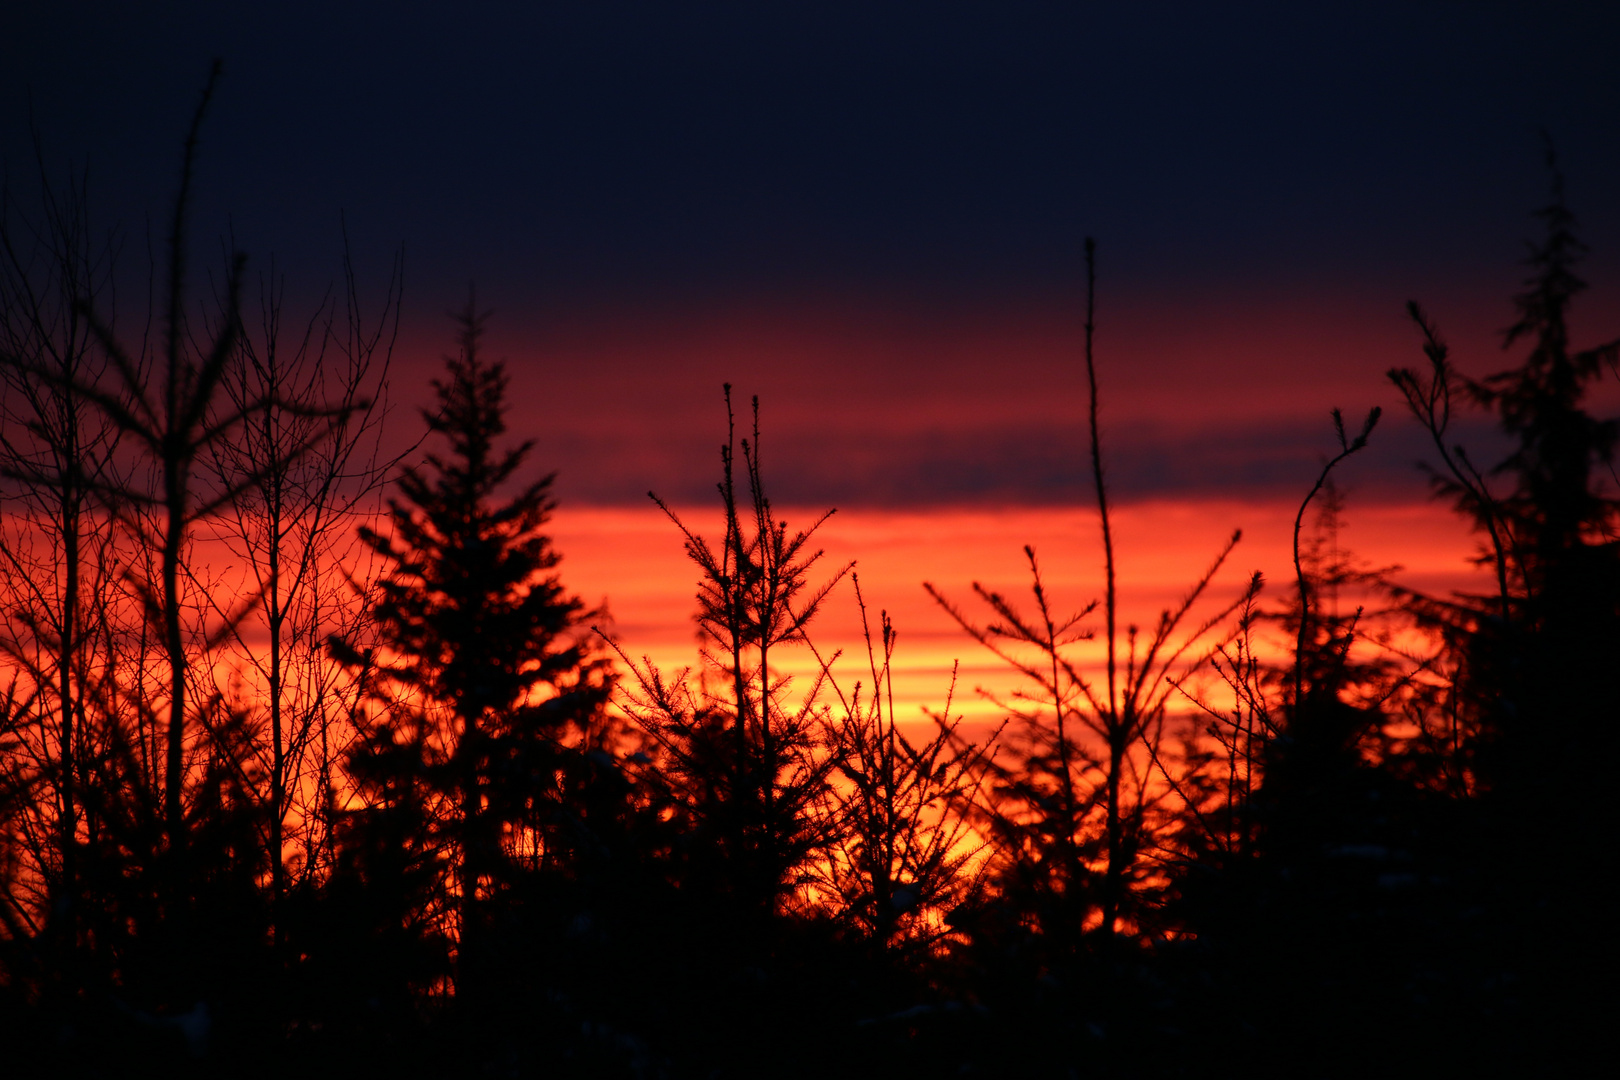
(294, 527)
(141, 902)
(61, 556)
(162, 786)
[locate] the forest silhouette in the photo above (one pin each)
(384, 800)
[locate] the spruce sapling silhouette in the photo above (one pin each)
(902, 858)
(742, 766)
(1070, 811)
(747, 765)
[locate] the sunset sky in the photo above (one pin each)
(871, 214)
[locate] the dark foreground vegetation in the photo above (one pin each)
(382, 804)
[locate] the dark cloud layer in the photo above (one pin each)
(1039, 464)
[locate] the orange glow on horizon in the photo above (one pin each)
(632, 559)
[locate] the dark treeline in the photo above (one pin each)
(379, 801)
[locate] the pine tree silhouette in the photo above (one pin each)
(485, 687)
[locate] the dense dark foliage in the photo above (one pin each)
(480, 850)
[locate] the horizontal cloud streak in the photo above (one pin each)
(1034, 464)
(878, 403)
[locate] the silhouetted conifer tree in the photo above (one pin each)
(1533, 695)
(485, 689)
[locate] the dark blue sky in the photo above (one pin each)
(666, 166)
